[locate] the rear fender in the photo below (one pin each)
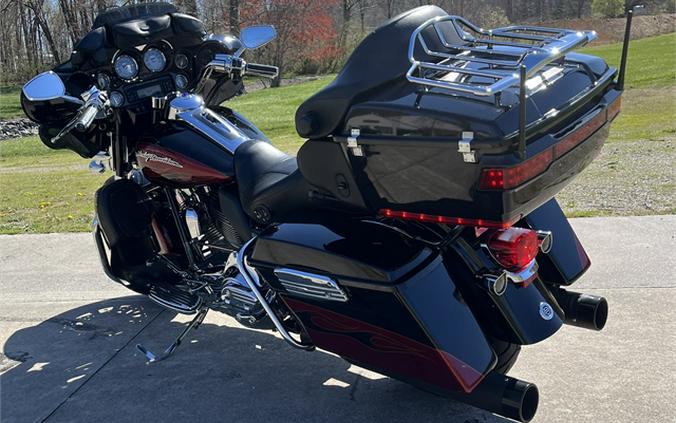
(567, 260)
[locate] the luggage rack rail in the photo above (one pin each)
(527, 50)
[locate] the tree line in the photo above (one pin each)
(314, 35)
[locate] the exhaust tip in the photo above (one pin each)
(583, 310)
(520, 401)
(592, 311)
(529, 403)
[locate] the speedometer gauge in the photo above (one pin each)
(126, 67)
(154, 60)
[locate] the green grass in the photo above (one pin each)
(273, 110)
(651, 61)
(10, 106)
(43, 190)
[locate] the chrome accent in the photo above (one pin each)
(47, 86)
(546, 241)
(496, 284)
(537, 47)
(192, 221)
(546, 311)
(240, 260)
(175, 299)
(190, 109)
(465, 147)
(310, 285)
(100, 162)
(257, 36)
(194, 324)
(524, 275)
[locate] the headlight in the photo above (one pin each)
(154, 60)
(126, 67)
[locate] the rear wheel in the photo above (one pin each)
(507, 354)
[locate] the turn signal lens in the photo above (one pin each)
(514, 248)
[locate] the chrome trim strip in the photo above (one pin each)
(525, 274)
(310, 285)
(215, 127)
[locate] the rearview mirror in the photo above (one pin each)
(257, 36)
(44, 87)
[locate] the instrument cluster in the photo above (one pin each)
(153, 70)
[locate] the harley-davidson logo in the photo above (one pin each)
(152, 157)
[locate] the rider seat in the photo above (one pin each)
(270, 185)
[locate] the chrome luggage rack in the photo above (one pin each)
(471, 53)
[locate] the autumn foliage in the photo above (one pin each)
(307, 30)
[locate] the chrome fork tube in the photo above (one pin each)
(240, 258)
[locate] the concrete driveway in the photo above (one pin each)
(68, 354)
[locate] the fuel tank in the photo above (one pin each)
(196, 152)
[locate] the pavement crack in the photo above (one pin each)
(105, 363)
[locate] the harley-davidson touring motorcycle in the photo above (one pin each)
(415, 234)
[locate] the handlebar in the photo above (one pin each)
(265, 71)
(85, 119)
(95, 102)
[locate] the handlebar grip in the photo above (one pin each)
(86, 118)
(265, 71)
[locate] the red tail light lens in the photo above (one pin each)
(514, 248)
(511, 177)
(430, 218)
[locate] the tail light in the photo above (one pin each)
(511, 177)
(430, 218)
(514, 248)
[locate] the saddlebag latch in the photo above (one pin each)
(353, 143)
(465, 147)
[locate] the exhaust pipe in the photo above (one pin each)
(582, 310)
(504, 395)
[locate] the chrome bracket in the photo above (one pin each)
(353, 143)
(465, 147)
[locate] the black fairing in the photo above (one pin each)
(378, 60)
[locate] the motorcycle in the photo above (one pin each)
(416, 233)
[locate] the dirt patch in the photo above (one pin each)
(611, 30)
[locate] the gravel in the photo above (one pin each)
(16, 128)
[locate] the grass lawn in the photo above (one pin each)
(42, 190)
(10, 106)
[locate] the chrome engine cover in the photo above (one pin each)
(238, 301)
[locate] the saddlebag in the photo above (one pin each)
(367, 293)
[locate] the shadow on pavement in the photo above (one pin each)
(82, 365)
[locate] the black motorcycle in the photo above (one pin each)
(416, 233)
